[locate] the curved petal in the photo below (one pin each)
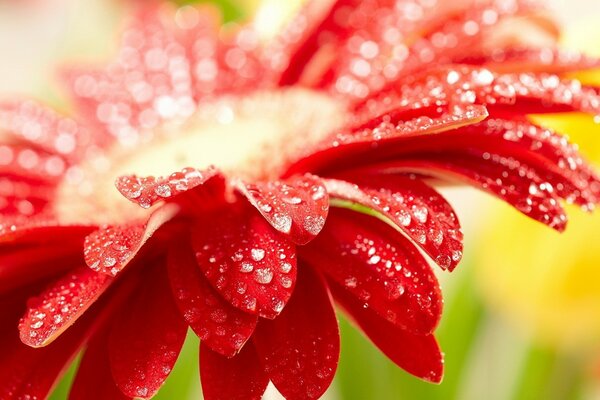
(419, 355)
(149, 82)
(17, 230)
(300, 349)
(110, 249)
(527, 59)
(417, 210)
(506, 178)
(149, 190)
(544, 149)
(525, 93)
(94, 379)
(296, 207)
(372, 138)
(245, 259)
(42, 169)
(24, 264)
(380, 268)
(31, 373)
(238, 378)
(43, 127)
(27, 373)
(220, 326)
(57, 308)
(146, 337)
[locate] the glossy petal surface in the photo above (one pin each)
(27, 373)
(418, 211)
(380, 268)
(249, 263)
(220, 326)
(238, 378)
(146, 337)
(94, 379)
(58, 307)
(300, 349)
(419, 355)
(109, 249)
(296, 207)
(504, 177)
(146, 191)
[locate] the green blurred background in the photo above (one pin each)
(522, 311)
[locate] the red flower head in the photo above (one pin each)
(324, 142)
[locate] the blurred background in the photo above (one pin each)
(522, 311)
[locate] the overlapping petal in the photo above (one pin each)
(296, 207)
(94, 372)
(249, 263)
(380, 268)
(110, 249)
(57, 308)
(146, 191)
(417, 210)
(506, 178)
(146, 337)
(419, 355)
(239, 378)
(300, 349)
(221, 327)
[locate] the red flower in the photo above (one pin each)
(324, 141)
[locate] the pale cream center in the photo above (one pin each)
(253, 137)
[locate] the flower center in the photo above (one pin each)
(253, 137)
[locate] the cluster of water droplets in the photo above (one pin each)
(109, 249)
(414, 209)
(146, 191)
(383, 46)
(297, 207)
(50, 313)
(384, 272)
(255, 271)
(579, 183)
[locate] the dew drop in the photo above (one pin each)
(257, 254)
(264, 275)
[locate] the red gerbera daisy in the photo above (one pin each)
(324, 141)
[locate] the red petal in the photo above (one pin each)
(43, 127)
(417, 354)
(219, 325)
(27, 373)
(94, 379)
(524, 59)
(342, 149)
(108, 250)
(379, 267)
(418, 211)
(557, 154)
(39, 229)
(57, 308)
(149, 82)
(22, 265)
(296, 207)
(506, 178)
(149, 190)
(238, 378)
(245, 259)
(390, 40)
(300, 349)
(43, 169)
(460, 84)
(146, 337)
